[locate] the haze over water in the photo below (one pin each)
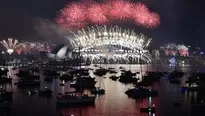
(114, 103)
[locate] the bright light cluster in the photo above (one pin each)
(32, 47)
(173, 49)
(10, 45)
(81, 14)
(125, 44)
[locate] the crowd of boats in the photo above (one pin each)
(80, 79)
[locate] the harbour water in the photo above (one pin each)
(114, 103)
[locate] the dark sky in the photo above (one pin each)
(182, 21)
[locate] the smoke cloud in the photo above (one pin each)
(49, 30)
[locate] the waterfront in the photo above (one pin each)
(114, 103)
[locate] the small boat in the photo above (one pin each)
(14, 68)
(32, 92)
(70, 100)
(98, 90)
(112, 72)
(140, 92)
(82, 99)
(110, 68)
(191, 87)
(121, 67)
(5, 80)
(46, 92)
(95, 65)
(114, 78)
(100, 72)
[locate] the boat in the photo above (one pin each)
(112, 71)
(98, 90)
(14, 68)
(74, 99)
(84, 83)
(32, 92)
(140, 92)
(128, 77)
(114, 78)
(95, 65)
(5, 80)
(67, 100)
(191, 87)
(46, 92)
(100, 72)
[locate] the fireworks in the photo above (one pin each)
(96, 14)
(120, 10)
(73, 15)
(173, 49)
(10, 45)
(102, 42)
(32, 47)
(183, 50)
(81, 14)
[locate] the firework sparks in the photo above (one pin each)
(121, 10)
(73, 16)
(153, 20)
(10, 45)
(102, 36)
(95, 14)
(33, 47)
(173, 49)
(79, 15)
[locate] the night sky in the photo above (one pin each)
(182, 21)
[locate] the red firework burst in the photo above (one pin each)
(73, 16)
(121, 10)
(78, 14)
(140, 14)
(95, 14)
(153, 20)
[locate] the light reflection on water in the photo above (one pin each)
(114, 103)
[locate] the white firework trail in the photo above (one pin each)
(10, 45)
(92, 37)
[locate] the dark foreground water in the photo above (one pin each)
(114, 103)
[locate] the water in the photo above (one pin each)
(114, 103)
